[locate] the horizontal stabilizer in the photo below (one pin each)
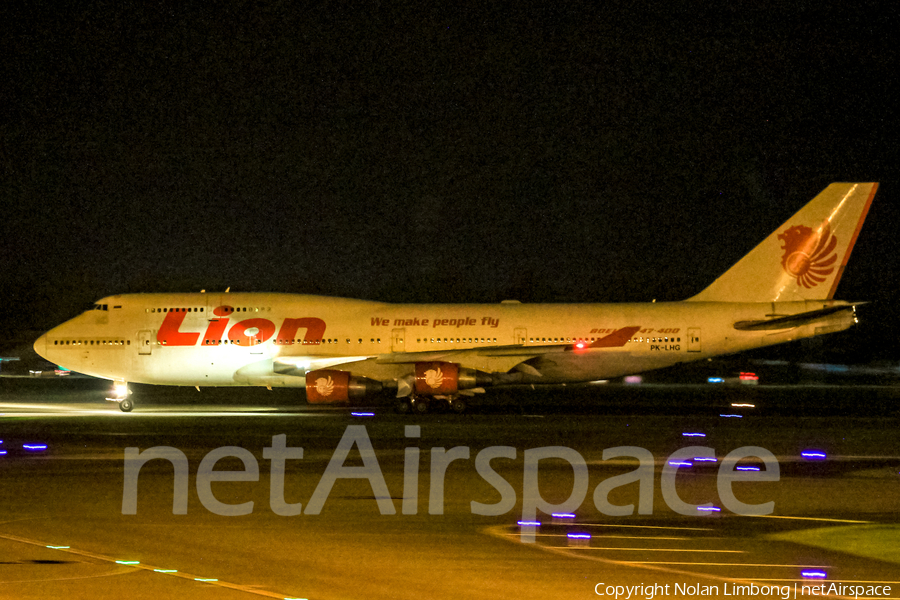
(792, 321)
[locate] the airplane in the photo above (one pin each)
(342, 349)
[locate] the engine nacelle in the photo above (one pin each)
(327, 386)
(443, 378)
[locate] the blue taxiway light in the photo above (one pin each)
(35, 447)
(813, 455)
(529, 523)
(814, 574)
(747, 468)
(686, 434)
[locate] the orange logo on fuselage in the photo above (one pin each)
(255, 329)
(808, 255)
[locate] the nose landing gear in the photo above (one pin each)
(120, 395)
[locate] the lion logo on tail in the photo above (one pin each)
(809, 256)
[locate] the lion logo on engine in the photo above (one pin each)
(324, 386)
(809, 255)
(434, 378)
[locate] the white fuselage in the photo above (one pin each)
(274, 339)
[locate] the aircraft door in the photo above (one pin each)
(255, 340)
(145, 342)
(521, 336)
(693, 339)
(397, 337)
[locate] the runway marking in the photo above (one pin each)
(629, 537)
(646, 527)
(658, 549)
(500, 532)
(809, 519)
(656, 562)
(821, 581)
(128, 566)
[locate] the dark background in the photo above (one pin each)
(412, 152)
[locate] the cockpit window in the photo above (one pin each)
(99, 307)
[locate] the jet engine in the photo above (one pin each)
(327, 386)
(443, 378)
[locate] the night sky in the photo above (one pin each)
(413, 152)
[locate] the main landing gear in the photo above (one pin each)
(422, 404)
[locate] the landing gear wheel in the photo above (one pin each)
(126, 405)
(421, 406)
(403, 406)
(458, 406)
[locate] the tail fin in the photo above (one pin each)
(804, 258)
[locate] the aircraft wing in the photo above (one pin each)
(489, 359)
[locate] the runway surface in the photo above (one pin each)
(64, 534)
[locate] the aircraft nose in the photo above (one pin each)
(40, 346)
